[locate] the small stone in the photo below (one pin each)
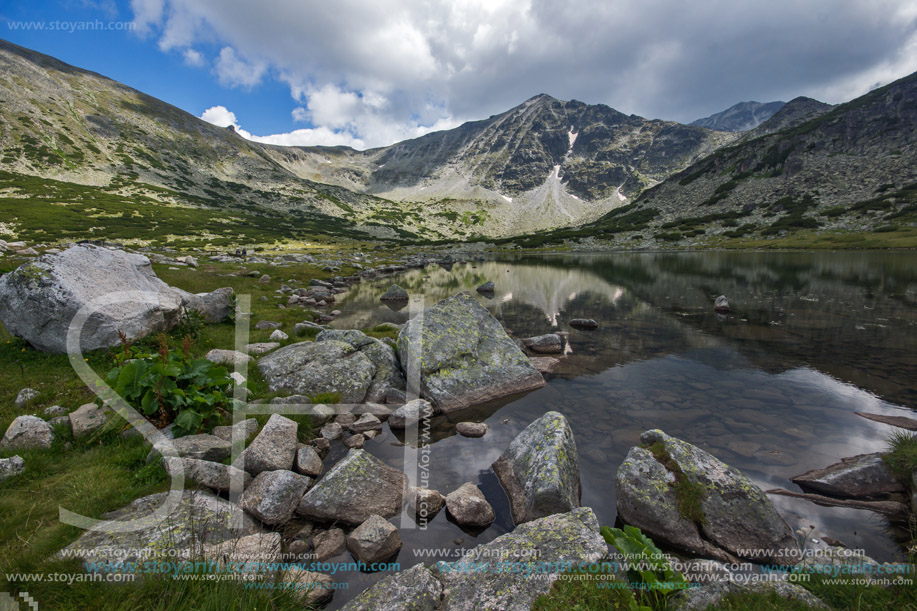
(374, 540)
(410, 414)
(426, 503)
(366, 422)
(265, 279)
(263, 325)
(227, 357)
(201, 447)
(27, 433)
(721, 304)
(54, 411)
(244, 429)
(274, 495)
(335, 312)
(279, 336)
(355, 441)
(237, 378)
(584, 323)
(346, 419)
(311, 589)
(308, 462)
(87, 419)
(328, 544)
(25, 396)
(468, 507)
(261, 348)
(486, 288)
(321, 446)
(395, 293)
(11, 466)
(332, 431)
(471, 429)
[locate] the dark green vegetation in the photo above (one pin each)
(902, 454)
(690, 495)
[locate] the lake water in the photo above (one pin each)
(770, 388)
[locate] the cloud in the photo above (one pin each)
(193, 58)
(393, 67)
(235, 71)
(220, 116)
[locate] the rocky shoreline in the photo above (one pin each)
(286, 502)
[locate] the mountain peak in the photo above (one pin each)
(740, 117)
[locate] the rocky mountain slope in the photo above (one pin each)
(811, 170)
(741, 117)
(541, 165)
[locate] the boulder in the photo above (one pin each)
(728, 512)
(866, 476)
(584, 323)
(25, 396)
(328, 544)
(11, 466)
(387, 374)
(244, 429)
(540, 469)
(39, 299)
(198, 519)
(551, 343)
(468, 507)
(228, 357)
(87, 419)
(424, 502)
(216, 306)
(542, 548)
(471, 429)
(375, 540)
(357, 487)
(213, 475)
(415, 588)
(27, 433)
(274, 495)
(273, 449)
(308, 462)
(201, 447)
(463, 355)
(312, 368)
(261, 348)
(410, 414)
(310, 588)
(395, 293)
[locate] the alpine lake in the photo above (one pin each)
(770, 388)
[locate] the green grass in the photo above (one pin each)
(95, 476)
(581, 591)
(902, 454)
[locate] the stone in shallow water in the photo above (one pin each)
(468, 507)
(866, 476)
(471, 429)
(540, 469)
(584, 323)
(463, 355)
(551, 343)
(394, 293)
(329, 543)
(374, 540)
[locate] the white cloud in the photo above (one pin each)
(193, 58)
(220, 116)
(394, 67)
(235, 71)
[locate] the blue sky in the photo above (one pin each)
(369, 73)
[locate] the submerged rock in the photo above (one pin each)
(540, 469)
(39, 299)
(357, 487)
(866, 476)
(463, 355)
(728, 512)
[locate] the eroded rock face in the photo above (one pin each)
(540, 469)
(736, 513)
(541, 544)
(357, 487)
(415, 589)
(866, 477)
(463, 355)
(39, 299)
(312, 368)
(199, 519)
